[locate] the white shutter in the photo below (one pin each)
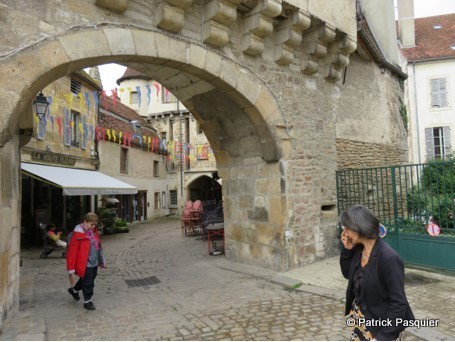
(435, 101)
(447, 141)
(429, 143)
(438, 92)
(443, 92)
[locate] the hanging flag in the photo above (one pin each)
(120, 134)
(138, 89)
(91, 132)
(104, 96)
(59, 124)
(87, 100)
(114, 97)
(147, 86)
(130, 136)
(81, 99)
(108, 131)
(95, 97)
(48, 113)
(157, 87)
(69, 99)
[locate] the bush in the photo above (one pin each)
(435, 195)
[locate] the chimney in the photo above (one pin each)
(94, 73)
(406, 29)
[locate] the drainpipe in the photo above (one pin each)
(416, 110)
(181, 149)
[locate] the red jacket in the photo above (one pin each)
(78, 252)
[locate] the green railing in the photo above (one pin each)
(406, 199)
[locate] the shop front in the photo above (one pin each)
(62, 196)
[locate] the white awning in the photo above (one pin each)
(76, 182)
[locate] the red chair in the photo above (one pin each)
(185, 221)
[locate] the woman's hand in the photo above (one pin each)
(347, 242)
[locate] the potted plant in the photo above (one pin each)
(121, 226)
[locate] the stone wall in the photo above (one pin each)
(273, 86)
(10, 202)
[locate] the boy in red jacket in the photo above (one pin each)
(83, 257)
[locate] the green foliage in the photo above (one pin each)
(435, 195)
(120, 226)
(404, 113)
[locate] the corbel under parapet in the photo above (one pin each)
(218, 15)
(118, 6)
(257, 24)
(315, 47)
(288, 35)
(171, 14)
(338, 57)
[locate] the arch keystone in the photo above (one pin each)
(120, 41)
(145, 42)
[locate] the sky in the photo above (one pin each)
(429, 8)
(422, 8)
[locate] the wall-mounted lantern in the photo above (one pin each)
(40, 105)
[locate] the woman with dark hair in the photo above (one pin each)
(376, 303)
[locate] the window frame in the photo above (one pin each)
(75, 137)
(438, 93)
(124, 160)
(173, 198)
(75, 87)
(134, 98)
(156, 168)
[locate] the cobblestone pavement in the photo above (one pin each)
(195, 296)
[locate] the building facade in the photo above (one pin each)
(428, 48)
(129, 150)
(190, 164)
(281, 89)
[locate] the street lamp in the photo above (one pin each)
(40, 104)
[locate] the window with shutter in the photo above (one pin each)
(75, 128)
(438, 93)
(438, 143)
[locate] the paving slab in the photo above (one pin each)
(198, 296)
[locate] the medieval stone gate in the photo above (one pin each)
(267, 80)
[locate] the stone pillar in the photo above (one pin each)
(9, 229)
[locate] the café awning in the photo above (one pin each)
(77, 182)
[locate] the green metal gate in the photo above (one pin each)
(406, 199)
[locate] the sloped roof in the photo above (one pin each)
(432, 43)
(119, 111)
(131, 73)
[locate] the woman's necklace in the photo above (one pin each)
(364, 256)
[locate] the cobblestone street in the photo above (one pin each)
(190, 296)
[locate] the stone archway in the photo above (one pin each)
(233, 106)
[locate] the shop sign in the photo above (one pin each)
(53, 158)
